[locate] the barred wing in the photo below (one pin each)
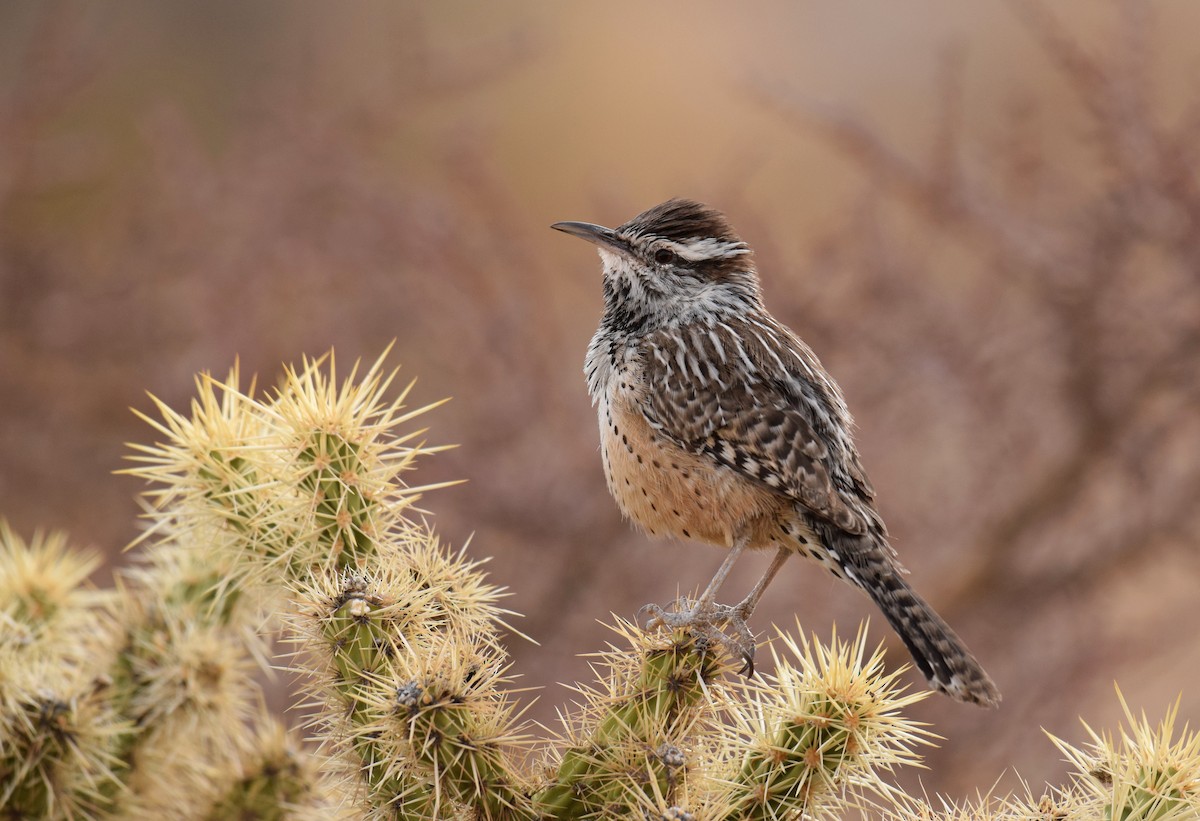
(753, 396)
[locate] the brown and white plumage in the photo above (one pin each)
(718, 423)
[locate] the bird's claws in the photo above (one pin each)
(702, 620)
(655, 616)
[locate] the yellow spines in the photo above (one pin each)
(409, 673)
(829, 721)
(1146, 773)
(58, 730)
(290, 511)
(630, 743)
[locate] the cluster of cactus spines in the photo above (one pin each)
(45, 604)
(289, 512)
(827, 723)
(181, 680)
(57, 728)
(185, 669)
(450, 717)
(383, 608)
(301, 492)
(1145, 774)
(57, 743)
(1149, 773)
(410, 695)
(275, 779)
(627, 743)
(342, 457)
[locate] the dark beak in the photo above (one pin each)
(595, 234)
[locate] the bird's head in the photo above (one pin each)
(677, 262)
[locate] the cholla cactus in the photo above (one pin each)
(1146, 774)
(57, 726)
(300, 495)
(412, 709)
(1151, 773)
(45, 605)
(273, 779)
(630, 739)
(288, 512)
(828, 721)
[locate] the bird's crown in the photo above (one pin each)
(696, 232)
(680, 220)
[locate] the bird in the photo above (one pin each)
(719, 424)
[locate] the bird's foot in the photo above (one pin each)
(705, 621)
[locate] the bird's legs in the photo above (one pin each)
(747, 605)
(710, 593)
(704, 615)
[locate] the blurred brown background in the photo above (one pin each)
(986, 221)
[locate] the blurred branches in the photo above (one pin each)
(1038, 298)
(1099, 272)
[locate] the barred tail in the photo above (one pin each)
(937, 650)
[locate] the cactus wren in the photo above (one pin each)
(718, 423)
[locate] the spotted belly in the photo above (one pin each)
(668, 491)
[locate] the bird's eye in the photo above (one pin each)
(664, 256)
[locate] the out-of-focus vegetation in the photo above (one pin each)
(984, 219)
